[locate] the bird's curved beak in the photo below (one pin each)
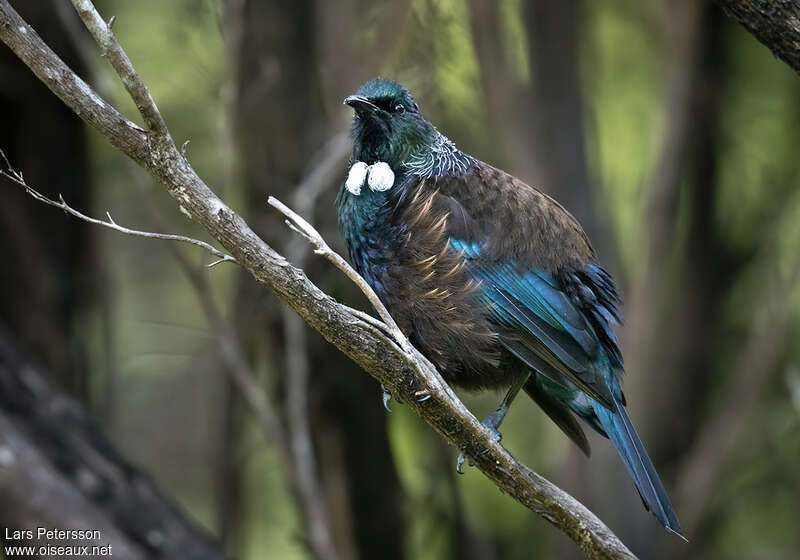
(361, 104)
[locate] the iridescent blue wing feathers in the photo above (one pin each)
(538, 323)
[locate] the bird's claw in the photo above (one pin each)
(386, 396)
(459, 463)
(491, 424)
(422, 396)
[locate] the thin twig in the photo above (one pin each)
(415, 359)
(419, 362)
(111, 50)
(306, 230)
(15, 176)
(367, 318)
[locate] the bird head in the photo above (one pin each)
(387, 125)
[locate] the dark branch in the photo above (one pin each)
(776, 24)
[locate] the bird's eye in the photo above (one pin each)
(399, 108)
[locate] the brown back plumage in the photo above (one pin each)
(516, 221)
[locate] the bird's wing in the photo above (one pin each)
(518, 243)
(540, 324)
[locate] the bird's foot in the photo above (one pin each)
(492, 423)
(386, 396)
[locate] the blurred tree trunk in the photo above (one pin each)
(539, 125)
(556, 104)
(281, 86)
(506, 95)
(58, 470)
(50, 284)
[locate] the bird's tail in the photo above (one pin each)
(620, 431)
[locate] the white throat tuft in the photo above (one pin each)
(378, 176)
(356, 177)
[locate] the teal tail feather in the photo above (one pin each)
(620, 431)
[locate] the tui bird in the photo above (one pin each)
(491, 279)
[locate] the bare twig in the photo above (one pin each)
(419, 362)
(111, 49)
(15, 176)
(367, 318)
(306, 230)
(362, 342)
